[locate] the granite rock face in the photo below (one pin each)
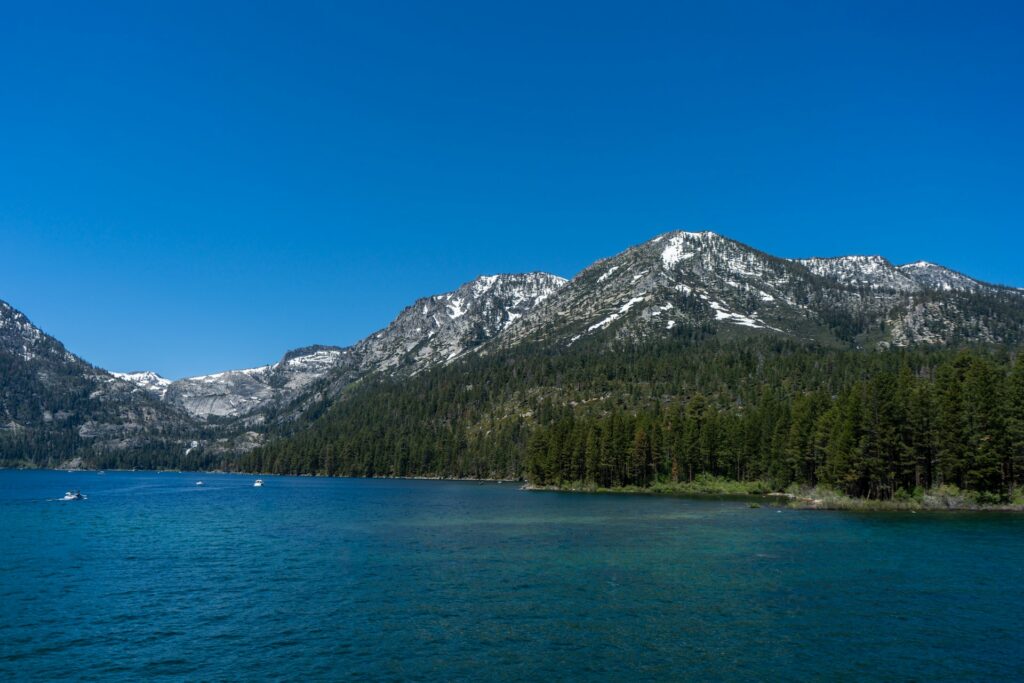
(432, 331)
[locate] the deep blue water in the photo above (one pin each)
(153, 577)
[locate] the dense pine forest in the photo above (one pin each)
(876, 424)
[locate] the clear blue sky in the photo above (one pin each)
(195, 187)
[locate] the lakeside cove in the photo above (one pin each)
(942, 498)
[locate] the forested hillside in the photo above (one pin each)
(55, 407)
(868, 423)
(686, 356)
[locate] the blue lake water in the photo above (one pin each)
(153, 577)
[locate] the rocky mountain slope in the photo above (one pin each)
(673, 284)
(434, 330)
(932, 276)
(237, 392)
(439, 329)
(54, 405)
(147, 380)
(673, 281)
(684, 280)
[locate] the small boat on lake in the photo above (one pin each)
(258, 482)
(199, 483)
(73, 495)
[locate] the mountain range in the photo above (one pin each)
(55, 406)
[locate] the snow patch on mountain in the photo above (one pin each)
(17, 333)
(148, 380)
(934, 276)
(456, 309)
(875, 272)
(724, 315)
(697, 280)
(615, 316)
(236, 392)
(434, 330)
(681, 246)
(439, 329)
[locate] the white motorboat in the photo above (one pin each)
(199, 483)
(73, 495)
(258, 482)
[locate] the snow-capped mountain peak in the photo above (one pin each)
(146, 379)
(674, 280)
(437, 329)
(236, 392)
(875, 272)
(934, 276)
(702, 279)
(691, 284)
(682, 245)
(19, 335)
(434, 330)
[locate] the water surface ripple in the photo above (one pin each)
(155, 578)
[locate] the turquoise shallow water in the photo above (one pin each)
(153, 577)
